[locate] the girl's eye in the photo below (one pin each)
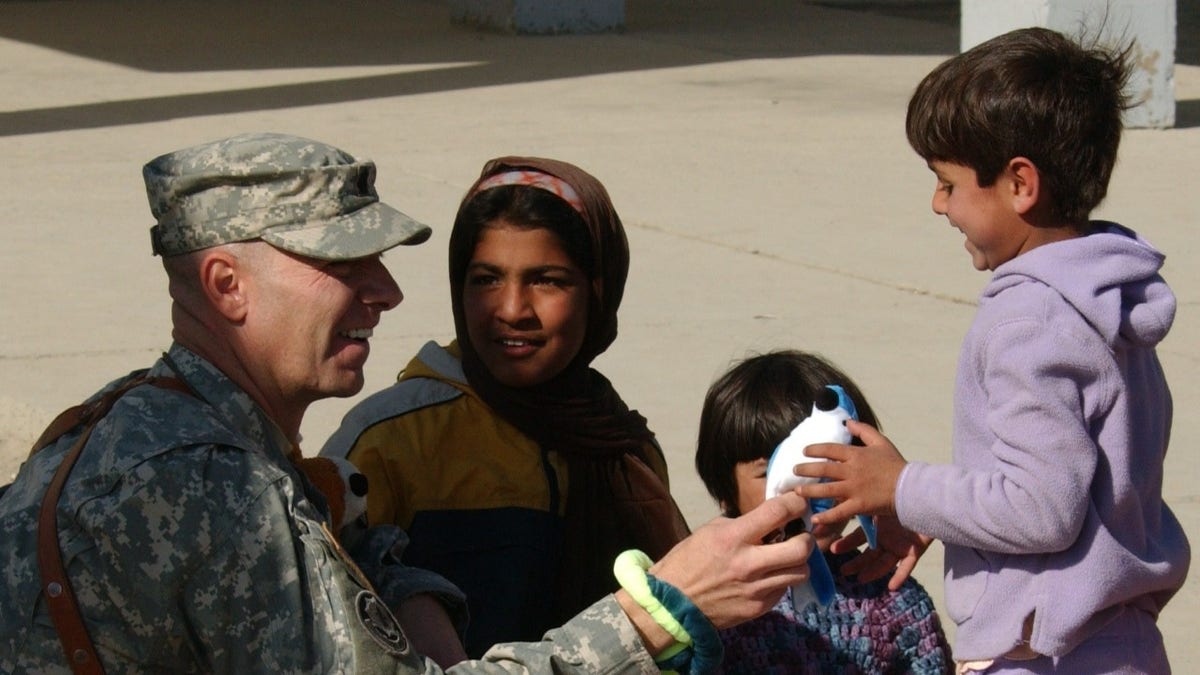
(481, 279)
(555, 281)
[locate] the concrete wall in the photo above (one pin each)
(1149, 23)
(541, 16)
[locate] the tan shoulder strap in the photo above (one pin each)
(60, 597)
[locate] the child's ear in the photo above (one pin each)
(1025, 184)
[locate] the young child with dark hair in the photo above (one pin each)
(867, 628)
(1060, 552)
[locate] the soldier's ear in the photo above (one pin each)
(224, 280)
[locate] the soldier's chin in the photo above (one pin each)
(349, 384)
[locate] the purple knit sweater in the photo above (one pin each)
(1053, 505)
(865, 630)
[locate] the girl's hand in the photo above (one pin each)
(898, 552)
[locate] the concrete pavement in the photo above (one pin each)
(755, 151)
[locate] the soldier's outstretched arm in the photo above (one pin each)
(723, 568)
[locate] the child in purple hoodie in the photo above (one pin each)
(1059, 550)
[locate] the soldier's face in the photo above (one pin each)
(313, 320)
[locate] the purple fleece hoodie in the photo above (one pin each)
(1053, 505)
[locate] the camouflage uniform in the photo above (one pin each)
(195, 546)
(192, 542)
(296, 194)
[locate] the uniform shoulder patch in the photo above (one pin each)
(381, 624)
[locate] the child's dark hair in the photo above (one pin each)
(752, 407)
(521, 206)
(1030, 93)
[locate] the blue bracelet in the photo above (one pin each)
(707, 650)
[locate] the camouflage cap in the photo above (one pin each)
(296, 194)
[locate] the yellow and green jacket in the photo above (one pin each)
(482, 503)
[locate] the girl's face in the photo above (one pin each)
(750, 478)
(525, 303)
(751, 481)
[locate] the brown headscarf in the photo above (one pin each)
(615, 500)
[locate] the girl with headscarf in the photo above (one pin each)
(514, 466)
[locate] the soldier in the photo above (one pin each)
(187, 541)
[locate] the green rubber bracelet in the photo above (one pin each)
(630, 570)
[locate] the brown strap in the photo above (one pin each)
(60, 597)
(66, 421)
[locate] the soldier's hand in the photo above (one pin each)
(729, 573)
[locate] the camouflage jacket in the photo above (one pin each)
(194, 546)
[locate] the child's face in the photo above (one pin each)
(751, 480)
(995, 231)
(525, 303)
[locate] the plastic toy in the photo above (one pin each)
(826, 424)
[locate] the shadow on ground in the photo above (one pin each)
(228, 35)
(215, 35)
(1187, 114)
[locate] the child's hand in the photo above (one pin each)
(861, 479)
(898, 552)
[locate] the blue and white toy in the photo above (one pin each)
(826, 424)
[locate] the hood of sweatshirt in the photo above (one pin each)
(1111, 277)
(436, 362)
